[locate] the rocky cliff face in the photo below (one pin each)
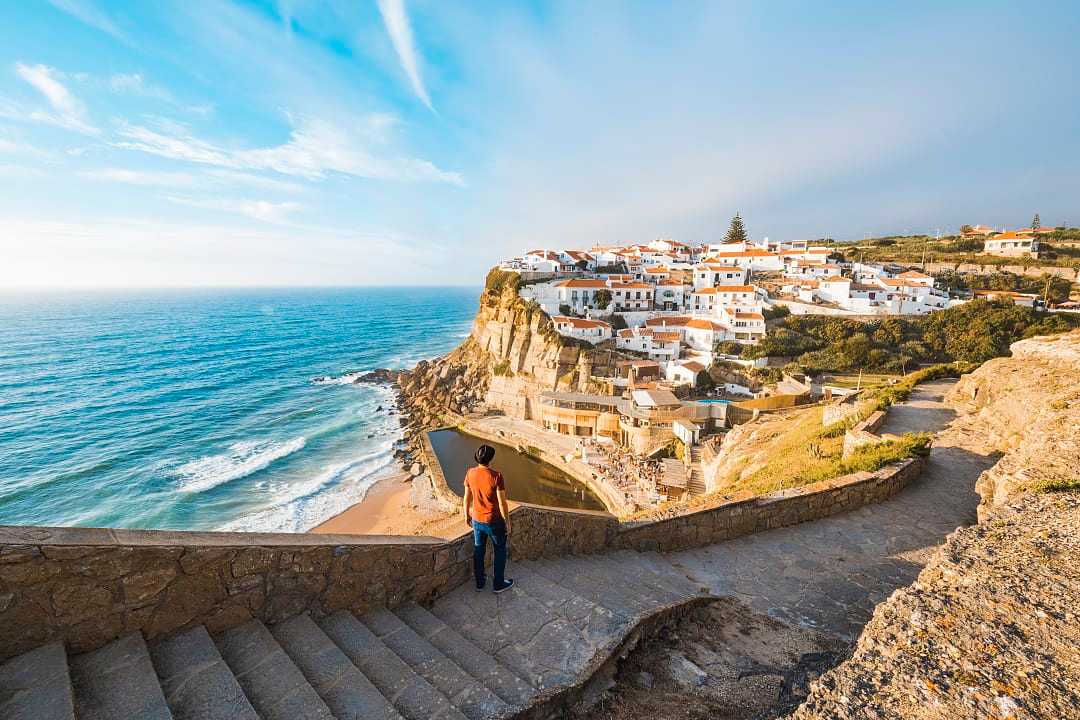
(1028, 407)
(511, 356)
(991, 628)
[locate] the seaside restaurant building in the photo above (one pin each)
(642, 422)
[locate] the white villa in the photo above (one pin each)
(661, 346)
(593, 331)
(1012, 244)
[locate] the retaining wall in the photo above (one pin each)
(89, 586)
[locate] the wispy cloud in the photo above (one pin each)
(264, 210)
(68, 110)
(316, 148)
(136, 84)
(88, 12)
(175, 179)
(398, 27)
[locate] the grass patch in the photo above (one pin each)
(502, 369)
(1050, 485)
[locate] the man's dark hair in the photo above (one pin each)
(484, 453)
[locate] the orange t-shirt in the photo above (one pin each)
(485, 503)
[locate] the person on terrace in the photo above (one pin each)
(485, 508)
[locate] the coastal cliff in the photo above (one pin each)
(989, 628)
(512, 354)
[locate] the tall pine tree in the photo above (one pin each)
(736, 233)
(1035, 222)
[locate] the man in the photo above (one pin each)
(485, 509)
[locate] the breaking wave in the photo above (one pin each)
(242, 459)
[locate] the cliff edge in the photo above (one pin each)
(990, 629)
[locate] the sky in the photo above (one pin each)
(416, 142)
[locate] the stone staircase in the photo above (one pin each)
(472, 656)
(695, 479)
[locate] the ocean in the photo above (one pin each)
(206, 409)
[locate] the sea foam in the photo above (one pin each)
(243, 459)
(299, 506)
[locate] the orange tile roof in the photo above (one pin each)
(693, 366)
(582, 323)
(671, 281)
(665, 336)
(675, 321)
(702, 324)
(581, 283)
(631, 286)
(745, 253)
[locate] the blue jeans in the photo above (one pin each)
(496, 530)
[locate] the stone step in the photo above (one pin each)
(650, 588)
(345, 690)
(272, 682)
(197, 683)
(118, 682)
(661, 572)
(413, 696)
(37, 686)
(581, 612)
(466, 693)
(539, 644)
(504, 682)
(664, 569)
(620, 598)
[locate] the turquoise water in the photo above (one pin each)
(715, 401)
(201, 409)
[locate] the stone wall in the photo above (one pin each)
(864, 433)
(89, 586)
(764, 512)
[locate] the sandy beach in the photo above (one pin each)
(388, 510)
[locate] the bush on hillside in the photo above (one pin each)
(973, 332)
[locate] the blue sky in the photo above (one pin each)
(304, 142)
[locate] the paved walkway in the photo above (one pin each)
(829, 574)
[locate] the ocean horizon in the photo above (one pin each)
(206, 408)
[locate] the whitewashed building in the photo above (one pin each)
(593, 331)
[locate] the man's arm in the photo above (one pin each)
(465, 500)
(504, 507)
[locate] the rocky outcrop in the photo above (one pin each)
(990, 629)
(1028, 407)
(512, 354)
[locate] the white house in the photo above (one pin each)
(659, 345)
(710, 274)
(683, 372)
(632, 296)
(747, 326)
(707, 300)
(754, 259)
(592, 331)
(579, 293)
(1012, 244)
(671, 294)
(1021, 299)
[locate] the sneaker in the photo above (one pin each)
(507, 584)
(480, 585)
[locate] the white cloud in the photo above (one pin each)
(89, 13)
(400, 31)
(136, 84)
(172, 179)
(316, 147)
(69, 112)
(264, 210)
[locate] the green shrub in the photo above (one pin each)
(1049, 485)
(502, 369)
